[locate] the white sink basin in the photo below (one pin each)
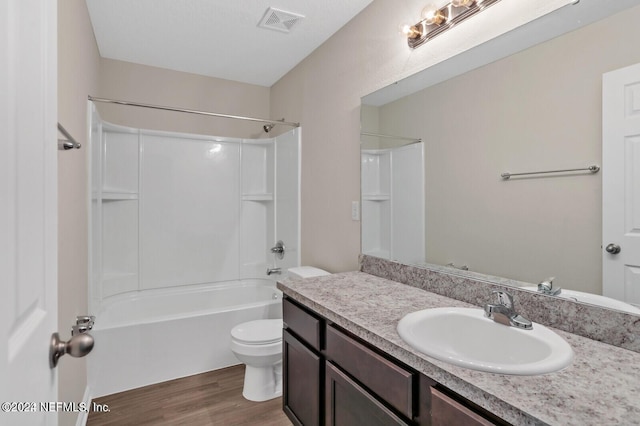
(594, 299)
(464, 337)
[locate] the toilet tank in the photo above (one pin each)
(301, 272)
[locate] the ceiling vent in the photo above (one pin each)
(279, 20)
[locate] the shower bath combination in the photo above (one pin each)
(149, 246)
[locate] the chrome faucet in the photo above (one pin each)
(278, 249)
(273, 271)
(504, 313)
(546, 287)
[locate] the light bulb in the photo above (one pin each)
(409, 31)
(433, 16)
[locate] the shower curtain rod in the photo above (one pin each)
(192, 111)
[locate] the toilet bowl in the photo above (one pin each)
(258, 344)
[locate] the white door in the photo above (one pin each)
(28, 209)
(621, 184)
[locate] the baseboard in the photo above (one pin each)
(83, 416)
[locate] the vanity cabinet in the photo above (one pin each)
(302, 366)
(333, 378)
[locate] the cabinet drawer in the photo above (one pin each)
(446, 411)
(389, 381)
(302, 323)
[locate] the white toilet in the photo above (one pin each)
(258, 344)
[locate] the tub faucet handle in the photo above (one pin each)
(278, 250)
(546, 287)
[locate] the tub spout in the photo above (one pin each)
(273, 271)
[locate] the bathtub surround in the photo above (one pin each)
(146, 232)
(608, 326)
(599, 387)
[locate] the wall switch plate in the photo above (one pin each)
(355, 210)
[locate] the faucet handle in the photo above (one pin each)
(278, 249)
(546, 287)
(504, 298)
(546, 284)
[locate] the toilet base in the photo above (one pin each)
(262, 383)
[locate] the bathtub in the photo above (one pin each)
(153, 336)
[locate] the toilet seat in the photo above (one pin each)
(259, 332)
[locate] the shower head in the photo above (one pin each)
(268, 127)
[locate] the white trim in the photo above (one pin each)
(84, 416)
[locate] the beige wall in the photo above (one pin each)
(537, 110)
(323, 93)
(78, 67)
(145, 84)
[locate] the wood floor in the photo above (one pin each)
(213, 398)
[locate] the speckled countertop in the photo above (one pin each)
(601, 387)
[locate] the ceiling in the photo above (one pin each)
(216, 38)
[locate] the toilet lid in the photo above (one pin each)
(258, 332)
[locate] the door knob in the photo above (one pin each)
(78, 346)
(613, 248)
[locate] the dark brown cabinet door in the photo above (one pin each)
(387, 380)
(301, 372)
(446, 411)
(348, 404)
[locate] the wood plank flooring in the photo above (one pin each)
(213, 398)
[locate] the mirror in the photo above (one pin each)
(538, 109)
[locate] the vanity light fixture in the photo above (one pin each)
(463, 3)
(433, 16)
(436, 21)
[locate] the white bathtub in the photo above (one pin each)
(157, 335)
